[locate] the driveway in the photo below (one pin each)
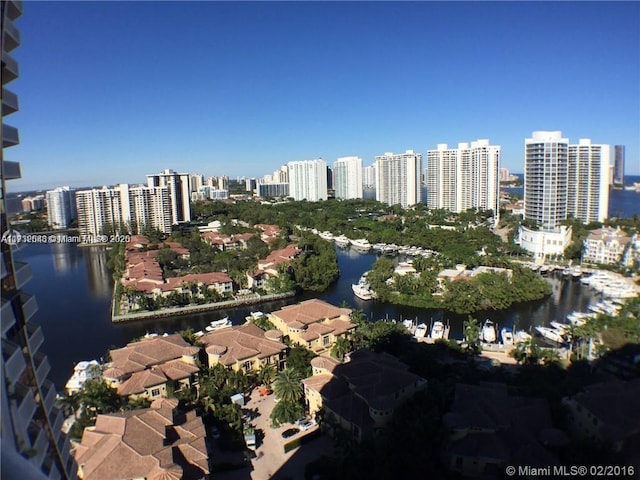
(271, 462)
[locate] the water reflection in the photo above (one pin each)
(95, 260)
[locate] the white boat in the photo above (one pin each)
(561, 327)
(488, 332)
(421, 331)
(218, 324)
(326, 236)
(254, 316)
(361, 244)
(409, 325)
(361, 291)
(520, 336)
(506, 334)
(551, 334)
(544, 270)
(342, 241)
(439, 330)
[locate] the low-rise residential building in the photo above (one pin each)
(314, 324)
(361, 394)
(244, 347)
(544, 243)
(152, 367)
(488, 429)
(156, 443)
(227, 242)
(608, 413)
(605, 245)
(279, 257)
(269, 233)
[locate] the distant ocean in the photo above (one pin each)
(622, 203)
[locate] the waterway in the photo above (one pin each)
(73, 289)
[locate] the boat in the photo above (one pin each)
(361, 244)
(561, 327)
(361, 291)
(506, 335)
(544, 270)
(439, 330)
(488, 332)
(520, 336)
(218, 324)
(421, 331)
(551, 334)
(409, 325)
(254, 316)
(326, 236)
(342, 241)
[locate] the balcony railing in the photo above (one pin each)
(49, 393)
(23, 274)
(10, 136)
(43, 367)
(11, 170)
(15, 362)
(7, 318)
(35, 337)
(11, 36)
(29, 305)
(9, 102)
(10, 70)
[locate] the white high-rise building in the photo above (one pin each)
(123, 209)
(179, 193)
(546, 158)
(308, 180)
(61, 207)
(369, 176)
(588, 181)
(562, 180)
(347, 177)
(398, 178)
(465, 177)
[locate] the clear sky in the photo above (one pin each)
(110, 92)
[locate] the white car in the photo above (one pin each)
(307, 425)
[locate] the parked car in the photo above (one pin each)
(306, 425)
(290, 432)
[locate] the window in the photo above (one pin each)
(155, 392)
(325, 340)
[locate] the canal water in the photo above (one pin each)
(73, 289)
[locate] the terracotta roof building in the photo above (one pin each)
(361, 394)
(314, 324)
(152, 366)
(244, 347)
(156, 443)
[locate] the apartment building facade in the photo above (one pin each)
(347, 177)
(464, 177)
(308, 180)
(398, 178)
(32, 444)
(61, 207)
(179, 193)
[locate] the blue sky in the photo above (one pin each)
(110, 92)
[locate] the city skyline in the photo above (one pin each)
(126, 98)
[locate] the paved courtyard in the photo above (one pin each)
(271, 462)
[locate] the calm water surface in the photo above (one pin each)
(73, 289)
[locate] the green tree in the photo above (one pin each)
(340, 348)
(286, 412)
(527, 353)
(287, 386)
(299, 360)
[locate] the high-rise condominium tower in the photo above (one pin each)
(398, 178)
(465, 177)
(347, 175)
(618, 166)
(308, 180)
(546, 157)
(562, 179)
(61, 207)
(369, 176)
(31, 441)
(123, 209)
(179, 193)
(588, 181)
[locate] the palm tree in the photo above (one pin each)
(527, 352)
(472, 336)
(340, 348)
(287, 386)
(267, 374)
